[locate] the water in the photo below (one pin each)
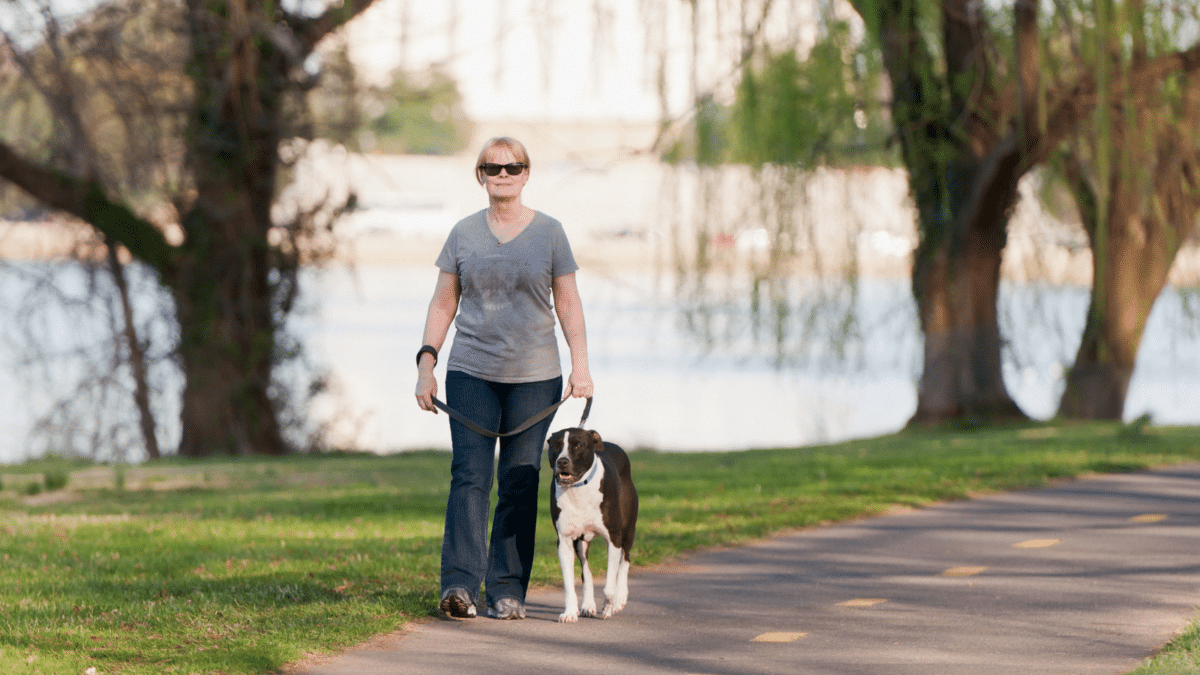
(658, 387)
(658, 384)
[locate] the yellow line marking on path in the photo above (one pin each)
(779, 637)
(963, 571)
(862, 602)
(1036, 543)
(1149, 518)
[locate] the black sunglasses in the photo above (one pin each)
(513, 169)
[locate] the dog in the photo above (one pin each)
(592, 494)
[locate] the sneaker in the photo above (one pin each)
(507, 608)
(457, 603)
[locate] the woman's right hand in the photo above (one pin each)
(426, 389)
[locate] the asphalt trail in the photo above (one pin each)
(1088, 577)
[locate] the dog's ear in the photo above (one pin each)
(555, 441)
(596, 438)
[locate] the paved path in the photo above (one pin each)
(1087, 577)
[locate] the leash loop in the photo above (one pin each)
(462, 419)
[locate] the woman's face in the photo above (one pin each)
(504, 186)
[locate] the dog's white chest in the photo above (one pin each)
(579, 509)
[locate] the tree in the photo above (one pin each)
(971, 121)
(212, 85)
(770, 222)
(1151, 196)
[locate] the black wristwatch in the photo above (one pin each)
(424, 349)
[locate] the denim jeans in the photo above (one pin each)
(505, 564)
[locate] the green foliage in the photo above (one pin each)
(243, 566)
(420, 113)
(823, 110)
(56, 480)
(712, 132)
(1136, 430)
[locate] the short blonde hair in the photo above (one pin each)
(511, 144)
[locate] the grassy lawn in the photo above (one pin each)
(242, 566)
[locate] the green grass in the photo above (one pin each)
(242, 566)
(1180, 657)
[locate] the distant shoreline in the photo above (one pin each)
(625, 212)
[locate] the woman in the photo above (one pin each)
(505, 272)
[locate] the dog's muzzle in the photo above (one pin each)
(567, 478)
(563, 474)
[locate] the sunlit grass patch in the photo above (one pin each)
(1180, 657)
(242, 566)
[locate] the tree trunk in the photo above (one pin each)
(226, 348)
(962, 177)
(956, 283)
(1123, 293)
(1132, 255)
(223, 291)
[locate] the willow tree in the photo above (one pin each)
(169, 127)
(770, 224)
(1136, 181)
(974, 110)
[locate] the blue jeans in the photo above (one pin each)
(504, 565)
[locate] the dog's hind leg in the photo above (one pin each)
(616, 581)
(587, 605)
(566, 559)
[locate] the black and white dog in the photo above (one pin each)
(592, 494)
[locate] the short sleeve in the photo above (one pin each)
(563, 261)
(447, 261)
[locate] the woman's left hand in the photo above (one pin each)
(579, 385)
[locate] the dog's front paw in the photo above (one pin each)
(568, 617)
(611, 608)
(588, 609)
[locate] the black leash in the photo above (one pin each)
(525, 425)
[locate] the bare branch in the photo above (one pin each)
(87, 201)
(310, 31)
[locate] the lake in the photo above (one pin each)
(662, 385)
(670, 374)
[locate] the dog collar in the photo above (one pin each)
(591, 474)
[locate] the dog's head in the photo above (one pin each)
(572, 452)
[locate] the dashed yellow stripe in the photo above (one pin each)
(1036, 543)
(862, 602)
(1149, 518)
(963, 571)
(779, 637)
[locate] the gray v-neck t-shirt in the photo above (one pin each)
(505, 323)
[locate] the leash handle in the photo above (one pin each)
(462, 419)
